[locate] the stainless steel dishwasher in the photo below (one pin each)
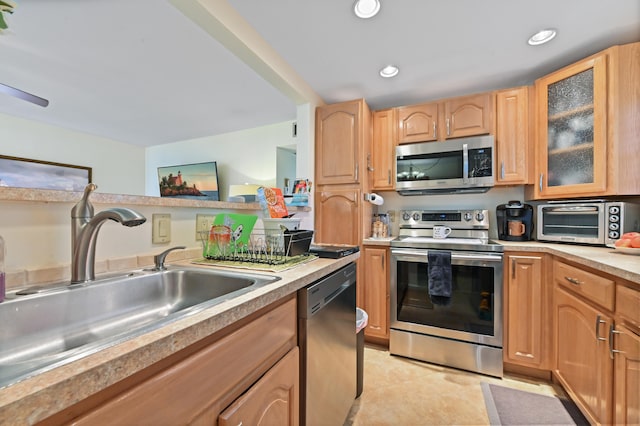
(328, 346)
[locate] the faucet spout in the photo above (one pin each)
(84, 233)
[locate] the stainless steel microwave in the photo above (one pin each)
(453, 166)
(598, 222)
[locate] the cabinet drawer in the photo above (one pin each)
(628, 304)
(594, 287)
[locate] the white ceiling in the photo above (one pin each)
(143, 72)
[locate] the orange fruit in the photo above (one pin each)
(635, 242)
(623, 242)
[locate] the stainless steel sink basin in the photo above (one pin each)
(62, 323)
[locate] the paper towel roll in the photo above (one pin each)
(375, 199)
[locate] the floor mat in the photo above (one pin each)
(506, 406)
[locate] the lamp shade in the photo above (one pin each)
(243, 193)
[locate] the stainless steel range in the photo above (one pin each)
(463, 330)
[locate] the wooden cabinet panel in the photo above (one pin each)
(469, 116)
(273, 400)
(596, 288)
(586, 142)
(383, 150)
(583, 365)
(338, 216)
(202, 385)
(628, 304)
(512, 136)
(376, 292)
(340, 136)
(527, 315)
(627, 376)
(417, 123)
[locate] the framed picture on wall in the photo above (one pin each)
(28, 173)
(194, 181)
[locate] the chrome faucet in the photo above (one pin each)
(84, 233)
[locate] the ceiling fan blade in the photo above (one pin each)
(23, 95)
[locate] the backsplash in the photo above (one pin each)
(24, 278)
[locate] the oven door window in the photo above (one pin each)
(470, 309)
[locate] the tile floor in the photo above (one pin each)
(401, 391)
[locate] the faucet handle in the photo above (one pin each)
(83, 208)
(159, 258)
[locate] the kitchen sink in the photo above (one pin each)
(49, 326)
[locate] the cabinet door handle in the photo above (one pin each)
(502, 170)
(540, 183)
(434, 130)
(356, 172)
(513, 269)
(598, 322)
(382, 257)
(389, 176)
(448, 128)
(613, 331)
(369, 163)
(574, 281)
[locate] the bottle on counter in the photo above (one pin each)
(2, 253)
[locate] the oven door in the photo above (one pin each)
(475, 312)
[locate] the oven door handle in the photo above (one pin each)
(454, 256)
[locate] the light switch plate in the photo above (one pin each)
(203, 224)
(161, 228)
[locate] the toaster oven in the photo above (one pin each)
(598, 222)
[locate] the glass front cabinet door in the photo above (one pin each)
(573, 130)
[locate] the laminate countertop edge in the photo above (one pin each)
(604, 259)
(38, 397)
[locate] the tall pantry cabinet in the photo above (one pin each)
(343, 165)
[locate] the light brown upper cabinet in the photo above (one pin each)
(417, 123)
(446, 119)
(588, 115)
(342, 142)
(468, 116)
(383, 154)
(513, 143)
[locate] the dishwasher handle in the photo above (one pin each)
(313, 298)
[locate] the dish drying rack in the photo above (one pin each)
(271, 247)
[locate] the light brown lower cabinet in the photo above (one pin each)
(273, 400)
(375, 289)
(248, 373)
(527, 315)
(583, 365)
(597, 342)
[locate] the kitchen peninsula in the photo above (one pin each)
(77, 388)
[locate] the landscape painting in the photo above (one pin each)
(194, 181)
(27, 173)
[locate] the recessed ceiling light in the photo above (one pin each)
(389, 71)
(542, 37)
(366, 8)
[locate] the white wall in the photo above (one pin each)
(247, 156)
(117, 168)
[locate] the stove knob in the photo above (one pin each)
(406, 216)
(480, 216)
(468, 216)
(416, 216)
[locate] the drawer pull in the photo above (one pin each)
(613, 331)
(598, 322)
(574, 280)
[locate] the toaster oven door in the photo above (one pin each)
(574, 223)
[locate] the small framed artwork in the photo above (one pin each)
(195, 181)
(27, 173)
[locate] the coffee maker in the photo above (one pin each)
(515, 221)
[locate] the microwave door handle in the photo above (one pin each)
(465, 163)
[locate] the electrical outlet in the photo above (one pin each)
(203, 224)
